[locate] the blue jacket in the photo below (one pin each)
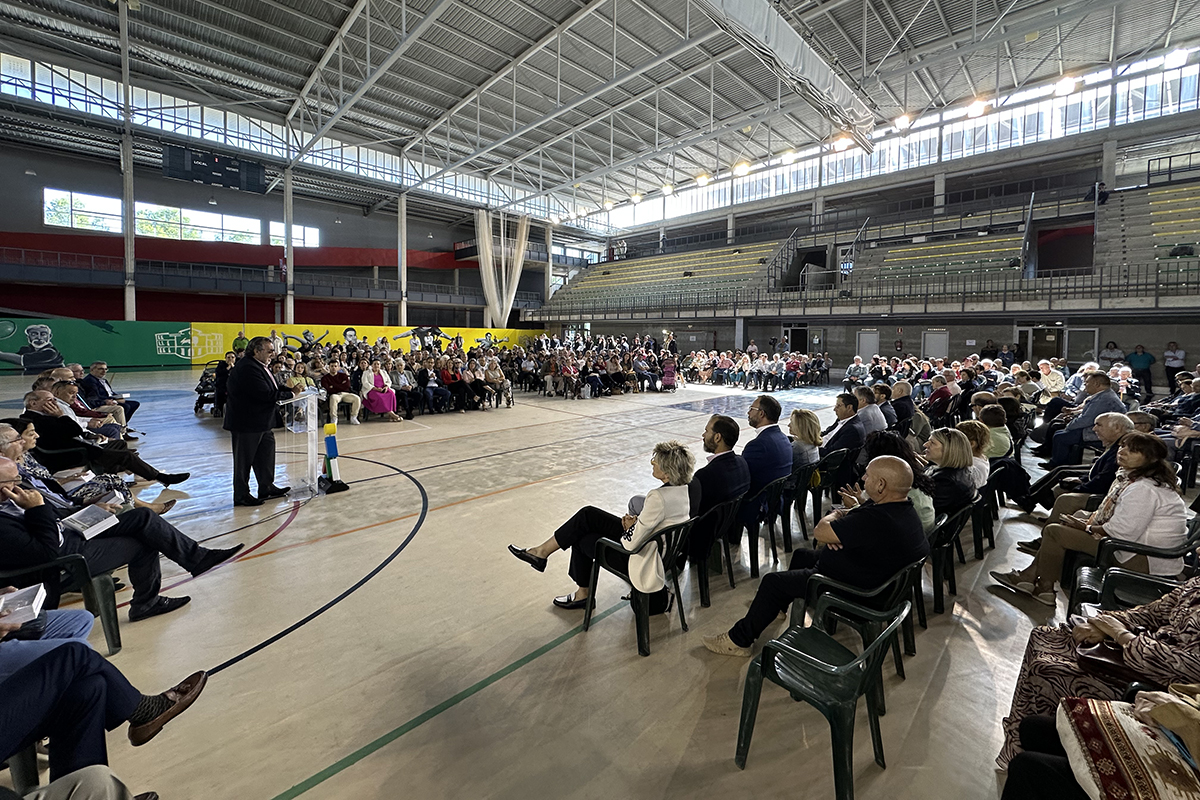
(1095, 405)
(769, 457)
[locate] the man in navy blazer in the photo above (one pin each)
(768, 454)
(250, 412)
(848, 433)
(723, 478)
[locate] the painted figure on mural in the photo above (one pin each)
(429, 336)
(489, 341)
(308, 341)
(39, 354)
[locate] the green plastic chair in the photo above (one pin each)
(71, 573)
(795, 498)
(828, 467)
(718, 519)
(671, 542)
(815, 668)
(23, 768)
(941, 550)
(772, 493)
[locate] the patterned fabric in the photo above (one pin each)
(1109, 505)
(84, 494)
(1116, 757)
(1167, 652)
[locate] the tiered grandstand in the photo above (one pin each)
(1141, 226)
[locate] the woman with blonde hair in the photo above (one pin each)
(805, 432)
(948, 454)
(979, 437)
(667, 504)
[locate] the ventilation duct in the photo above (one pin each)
(763, 31)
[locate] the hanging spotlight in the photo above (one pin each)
(841, 144)
(741, 169)
(977, 108)
(1065, 86)
(212, 200)
(1175, 59)
(702, 179)
(902, 122)
(788, 158)
(636, 198)
(608, 205)
(554, 219)
(668, 188)
(337, 220)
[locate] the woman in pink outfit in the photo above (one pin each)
(377, 394)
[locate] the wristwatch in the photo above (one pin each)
(1088, 528)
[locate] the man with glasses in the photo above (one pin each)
(251, 411)
(768, 456)
(97, 391)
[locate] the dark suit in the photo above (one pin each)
(769, 457)
(1102, 474)
(62, 433)
(850, 436)
(725, 477)
(904, 407)
(71, 695)
(251, 411)
(99, 392)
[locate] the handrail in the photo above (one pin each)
(1168, 169)
(781, 259)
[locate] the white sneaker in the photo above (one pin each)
(354, 421)
(721, 644)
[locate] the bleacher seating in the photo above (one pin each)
(740, 267)
(956, 256)
(1141, 226)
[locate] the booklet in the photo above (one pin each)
(90, 521)
(22, 606)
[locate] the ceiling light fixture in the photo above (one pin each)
(554, 219)
(741, 169)
(608, 205)
(1065, 86)
(1175, 59)
(212, 200)
(31, 172)
(337, 220)
(668, 188)
(977, 108)
(902, 122)
(788, 158)
(841, 144)
(430, 235)
(636, 198)
(702, 180)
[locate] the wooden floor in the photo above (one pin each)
(449, 674)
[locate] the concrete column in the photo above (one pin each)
(939, 193)
(818, 209)
(739, 333)
(456, 281)
(128, 218)
(729, 229)
(1108, 170)
(289, 261)
(487, 317)
(402, 256)
(375, 274)
(547, 289)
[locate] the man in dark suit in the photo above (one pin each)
(250, 413)
(58, 432)
(847, 433)
(902, 401)
(768, 455)
(31, 534)
(724, 477)
(97, 391)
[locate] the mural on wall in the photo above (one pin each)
(49, 343)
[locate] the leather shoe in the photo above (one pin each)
(276, 491)
(529, 558)
(161, 605)
(569, 602)
(184, 695)
(249, 501)
(129, 438)
(169, 478)
(214, 558)
(147, 796)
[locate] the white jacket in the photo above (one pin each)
(368, 381)
(664, 507)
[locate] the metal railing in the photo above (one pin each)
(1107, 289)
(81, 261)
(1167, 169)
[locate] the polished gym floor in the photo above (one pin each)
(439, 667)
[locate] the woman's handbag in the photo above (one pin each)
(1105, 660)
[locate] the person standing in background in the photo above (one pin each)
(250, 413)
(241, 342)
(1173, 361)
(1139, 361)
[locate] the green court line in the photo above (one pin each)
(445, 705)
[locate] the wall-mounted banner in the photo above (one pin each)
(33, 345)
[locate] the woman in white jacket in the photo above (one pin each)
(664, 506)
(377, 394)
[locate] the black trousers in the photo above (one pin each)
(1042, 771)
(1144, 378)
(71, 695)
(252, 451)
(137, 539)
(580, 533)
(115, 457)
(775, 593)
(1171, 373)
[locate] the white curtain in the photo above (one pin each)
(500, 285)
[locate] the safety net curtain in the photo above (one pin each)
(500, 286)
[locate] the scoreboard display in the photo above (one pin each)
(214, 170)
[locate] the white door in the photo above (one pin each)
(1082, 345)
(868, 344)
(935, 344)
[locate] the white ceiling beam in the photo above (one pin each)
(330, 49)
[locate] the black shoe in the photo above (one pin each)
(1026, 504)
(249, 501)
(129, 438)
(275, 491)
(1047, 465)
(1031, 546)
(161, 605)
(569, 602)
(529, 558)
(215, 558)
(170, 478)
